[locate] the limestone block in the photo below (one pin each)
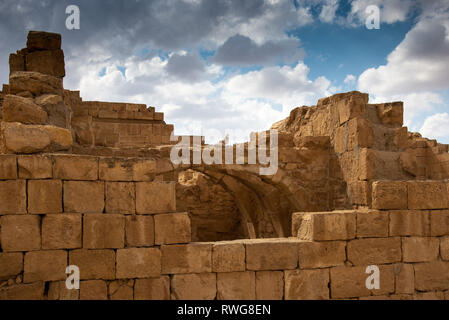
(389, 195)
(39, 40)
(374, 250)
(93, 290)
(172, 228)
(279, 255)
(228, 257)
(49, 62)
(152, 288)
(269, 285)
(323, 226)
(195, 286)
(372, 224)
(29, 291)
(236, 286)
(307, 284)
(103, 231)
(186, 258)
(34, 82)
(139, 231)
(34, 167)
(405, 278)
(321, 254)
(13, 197)
(57, 290)
(20, 232)
(120, 197)
(24, 110)
(121, 290)
(44, 196)
(420, 249)
(8, 167)
(439, 222)
(61, 231)
(94, 264)
(127, 169)
(75, 167)
(431, 276)
(11, 264)
(155, 197)
(84, 196)
(350, 282)
(444, 248)
(47, 265)
(409, 223)
(138, 263)
(391, 113)
(427, 195)
(16, 63)
(57, 111)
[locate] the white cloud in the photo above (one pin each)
(436, 126)
(350, 79)
(328, 11)
(391, 11)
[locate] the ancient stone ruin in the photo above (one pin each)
(91, 184)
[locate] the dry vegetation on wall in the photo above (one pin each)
(91, 184)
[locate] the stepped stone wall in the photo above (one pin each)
(91, 184)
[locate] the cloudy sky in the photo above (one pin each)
(235, 66)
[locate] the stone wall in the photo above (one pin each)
(120, 226)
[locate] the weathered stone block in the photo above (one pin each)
(44, 196)
(321, 254)
(444, 248)
(439, 222)
(84, 196)
(34, 82)
(34, 167)
(39, 40)
(138, 263)
(61, 231)
(93, 290)
(307, 284)
(350, 282)
(20, 233)
(236, 286)
(30, 291)
(57, 290)
(48, 265)
(139, 231)
(121, 290)
(94, 264)
(409, 223)
(389, 195)
(155, 197)
(152, 288)
(24, 110)
(49, 62)
(431, 276)
(269, 285)
(74, 167)
(172, 228)
(127, 169)
(352, 105)
(391, 113)
(13, 197)
(374, 251)
(120, 197)
(427, 195)
(196, 286)
(103, 231)
(186, 258)
(405, 278)
(322, 226)
(228, 257)
(8, 167)
(264, 255)
(16, 63)
(372, 224)
(420, 249)
(11, 264)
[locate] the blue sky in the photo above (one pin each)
(231, 67)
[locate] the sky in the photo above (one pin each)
(218, 67)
